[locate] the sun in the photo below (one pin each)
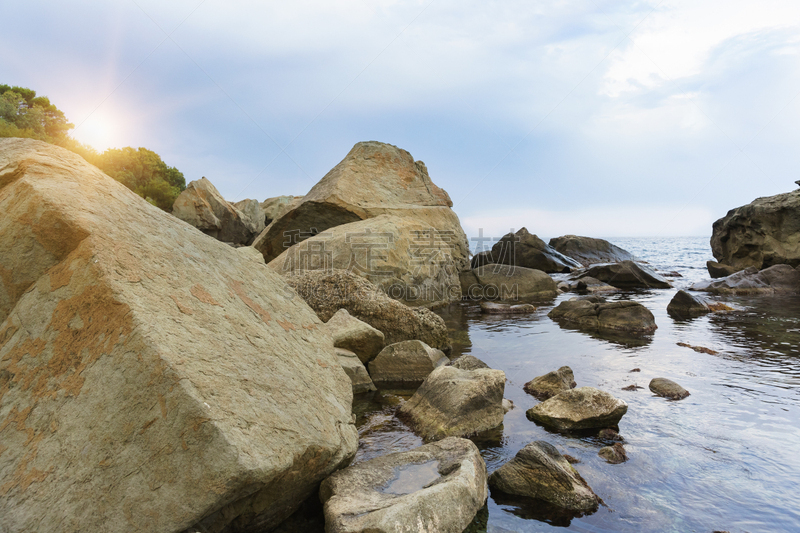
(98, 131)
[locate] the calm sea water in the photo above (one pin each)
(725, 458)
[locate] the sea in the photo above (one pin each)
(726, 458)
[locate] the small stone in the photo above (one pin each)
(635, 370)
(613, 454)
(668, 389)
(632, 387)
(572, 460)
(550, 384)
(609, 434)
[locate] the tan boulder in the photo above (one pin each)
(355, 335)
(202, 206)
(400, 256)
(373, 179)
(151, 378)
(274, 208)
(252, 212)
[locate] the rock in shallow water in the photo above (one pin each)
(684, 305)
(576, 409)
(550, 384)
(668, 389)
(513, 283)
(775, 279)
(355, 335)
(494, 308)
(453, 402)
(627, 275)
(596, 314)
(405, 365)
(589, 251)
(539, 471)
(438, 487)
(614, 454)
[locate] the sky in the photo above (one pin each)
(591, 117)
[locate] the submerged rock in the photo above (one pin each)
(355, 335)
(153, 378)
(405, 364)
(589, 251)
(627, 275)
(581, 408)
(503, 282)
(494, 308)
(668, 389)
(453, 402)
(438, 487)
(355, 370)
(760, 234)
(539, 471)
(772, 280)
(596, 314)
(684, 305)
(552, 383)
(523, 249)
(614, 454)
(328, 291)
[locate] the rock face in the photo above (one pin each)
(355, 370)
(456, 403)
(327, 292)
(401, 256)
(668, 389)
(539, 471)
(405, 365)
(523, 249)
(373, 179)
(504, 282)
(589, 251)
(274, 208)
(596, 314)
(627, 275)
(202, 206)
(552, 383)
(352, 334)
(684, 305)
(152, 377)
(775, 279)
(252, 213)
(438, 487)
(581, 408)
(761, 234)
(718, 270)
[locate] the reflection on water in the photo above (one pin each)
(413, 477)
(725, 458)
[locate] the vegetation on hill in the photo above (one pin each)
(23, 114)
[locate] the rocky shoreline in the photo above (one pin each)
(196, 371)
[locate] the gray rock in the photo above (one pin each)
(405, 365)
(552, 383)
(252, 213)
(592, 285)
(503, 282)
(772, 280)
(760, 234)
(495, 308)
(453, 402)
(668, 389)
(523, 249)
(581, 408)
(627, 275)
(718, 270)
(614, 454)
(274, 208)
(328, 291)
(355, 370)
(684, 305)
(539, 471)
(355, 335)
(589, 251)
(595, 314)
(153, 378)
(468, 362)
(202, 206)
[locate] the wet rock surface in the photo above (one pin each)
(589, 251)
(550, 384)
(597, 314)
(578, 409)
(667, 389)
(495, 308)
(614, 454)
(685, 305)
(405, 364)
(773, 280)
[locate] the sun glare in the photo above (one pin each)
(98, 131)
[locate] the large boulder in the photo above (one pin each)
(355, 335)
(576, 409)
(627, 275)
(274, 208)
(589, 251)
(355, 370)
(373, 179)
(539, 471)
(718, 270)
(456, 403)
(761, 234)
(526, 250)
(506, 282)
(251, 210)
(405, 365)
(775, 279)
(202, 206)
(152, 378)
(550, 384)
(328, 291)
(438, 487)
(399, 255)
(685, 305)
(596, 314)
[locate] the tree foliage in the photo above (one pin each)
(23, 114)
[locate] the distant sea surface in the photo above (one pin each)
(726, 458)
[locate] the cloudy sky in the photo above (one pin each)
(595, 117)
